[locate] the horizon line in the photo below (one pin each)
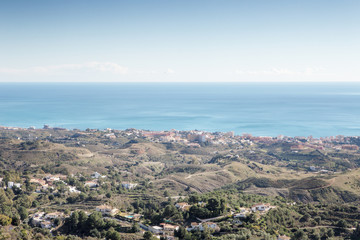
(181, 82)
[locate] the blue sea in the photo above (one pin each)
(262, 109)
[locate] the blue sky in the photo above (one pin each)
(179, 41)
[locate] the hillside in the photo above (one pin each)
(144, 173)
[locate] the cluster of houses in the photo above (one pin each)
(261, 208)
(43, 184)
(194, 138)
(47, 182)
(43, 220)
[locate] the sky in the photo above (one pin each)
(179, 41)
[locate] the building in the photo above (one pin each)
(37, 218)
(128, 185)
(156, 230)
(283, 237)
(54, 215)
(46, 224)
(312, 168)
(91, 184)
(168, 227)
(242, 214)
(38, 181)
(201, 226)
(73, 190)
(10, 185)
(183, 206)
(261, 207)
(42, 188)
(350, 147)
(96, 175)
(107, 210)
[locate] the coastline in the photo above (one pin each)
(197, 138)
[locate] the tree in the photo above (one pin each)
(135, 227)
(95, 221)
(5, 220)
(82, 225)
(341, 223)
(113, 235)
(180, 233)
(15, 220)
(213, 204)
(23, 213)
(95, 233)
(147, 235)
(300, 235)
(356, 234)
(169, 211)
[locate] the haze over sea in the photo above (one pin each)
(262, 109)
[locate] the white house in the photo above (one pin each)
(107, 210)
(128, 185)
(10, 185)
(96, 175)
(73, 190)
(156, 229)
(200, 226)
(260, 207)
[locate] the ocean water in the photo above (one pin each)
(262, 109)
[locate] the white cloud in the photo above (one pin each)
(170, 71)
(281, 71)
(94, 66)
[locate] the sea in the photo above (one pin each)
(261, 109)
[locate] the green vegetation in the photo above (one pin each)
(53, 183)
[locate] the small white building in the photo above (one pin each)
(156, 229)
(73, 190)
(91, 184)
(261, 207)
(200, 226)
(312, 168)
(10, 185)
(96, 175)
(128, 185)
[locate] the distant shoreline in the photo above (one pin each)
(31, 128)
